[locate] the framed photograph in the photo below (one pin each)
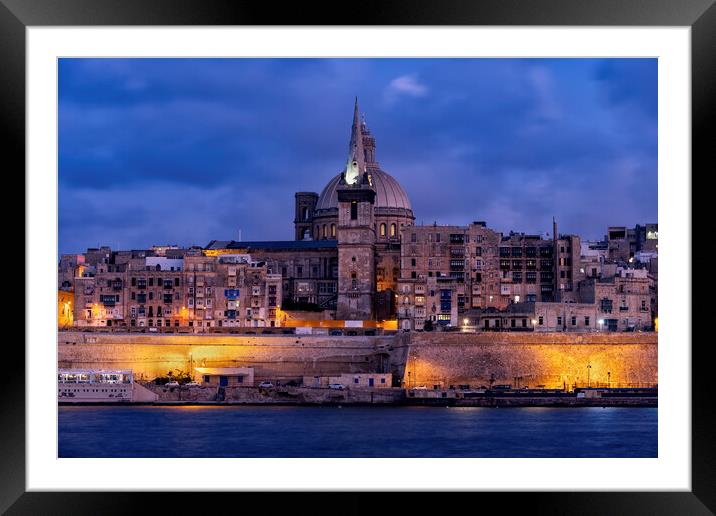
(411, 250)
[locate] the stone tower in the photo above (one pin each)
(303, 220)
(356, 232)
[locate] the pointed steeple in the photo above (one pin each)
(355, 166)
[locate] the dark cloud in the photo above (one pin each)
(187, 150)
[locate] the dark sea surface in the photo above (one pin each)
(270, 431)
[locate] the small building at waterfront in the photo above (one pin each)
(370, 380)
(225, 376)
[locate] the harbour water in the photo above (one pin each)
(290, 431)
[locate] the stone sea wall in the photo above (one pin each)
(281, 395)
(550, 359)
(271, 356)
(427, 358)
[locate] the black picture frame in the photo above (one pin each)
(700, 15)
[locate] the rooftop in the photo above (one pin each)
(273, 244)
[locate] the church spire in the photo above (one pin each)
(355, 167)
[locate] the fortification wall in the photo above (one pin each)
(550, 359)
(274, 356)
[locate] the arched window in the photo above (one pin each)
(317, 234)
(325, 231)
(333, 230)
(382, 229)
(392, 230)
(305, 213)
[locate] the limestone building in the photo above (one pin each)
(448, 270)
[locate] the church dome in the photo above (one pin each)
(389, 193)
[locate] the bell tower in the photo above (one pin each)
(356, 233)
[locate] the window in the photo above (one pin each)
(354, 210)
(413, 237)
(541, 320)
(606, 305)
(586, 320)
(325, 231)
(382, 229)
(559, 320)
(333, 230)
(574, 320)
(412, 262)
(392, 230)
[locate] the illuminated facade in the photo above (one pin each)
(193, 293)
(65, 308)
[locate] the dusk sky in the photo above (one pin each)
(183, 151)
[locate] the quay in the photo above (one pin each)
(317, 396)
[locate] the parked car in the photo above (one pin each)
(336, 386)
(173, 383)
(191, 384)
(265, 385)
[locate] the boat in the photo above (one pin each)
(94, 386)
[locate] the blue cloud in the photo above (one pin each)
(186, 150)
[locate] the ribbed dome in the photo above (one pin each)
(389, 193)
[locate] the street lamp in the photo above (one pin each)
(589, 367)
(609, 379)
(601, 324)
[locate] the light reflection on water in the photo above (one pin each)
(285, 431)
